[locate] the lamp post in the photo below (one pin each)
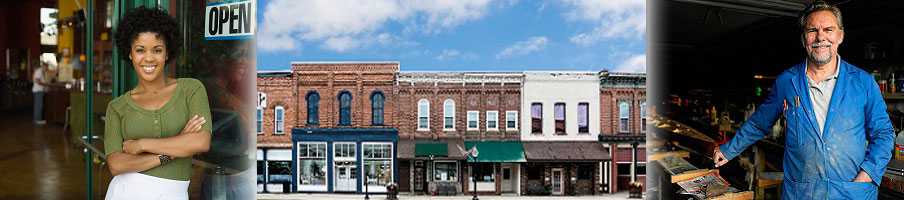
(473, 154)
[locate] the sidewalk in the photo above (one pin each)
(324, 196)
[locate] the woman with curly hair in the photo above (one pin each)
(154, 129)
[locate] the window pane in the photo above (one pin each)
(423, 114)
(623, 109)
(485, 173)
(559, 110)
(260, 120)
(472, 119)
(449, 123)
(279, 171)
(583, 115)
(536, 113)
(312, 172)
(313, 107)
(510, 118)
(492, 119)
(377, 109)
(345, 106)
(445, 171)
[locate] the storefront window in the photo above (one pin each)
(279, 171)
(445, 171)
(485, 173)
(641, 169)
(311, 166)
(378, 165)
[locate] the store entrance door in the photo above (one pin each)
(346, 177)
(557, 182)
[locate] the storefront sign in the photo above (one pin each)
(230, 20)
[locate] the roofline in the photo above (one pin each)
(343, 62)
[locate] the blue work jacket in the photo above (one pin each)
(857, 135)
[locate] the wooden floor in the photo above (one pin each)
(37, 162)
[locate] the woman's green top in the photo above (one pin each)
(126, 120)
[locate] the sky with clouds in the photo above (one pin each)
(456, 35)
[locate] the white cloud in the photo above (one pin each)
(635, 63)
(343, 25)
(524, 47)
(615, 18)
(451, 54)
(448, 54)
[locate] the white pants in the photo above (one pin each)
(137, 186)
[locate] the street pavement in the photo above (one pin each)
(325, 196)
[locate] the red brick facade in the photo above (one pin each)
(360, 79)
(468, 96)
(615, 88)
(280, 91)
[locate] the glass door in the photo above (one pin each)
(557, 182)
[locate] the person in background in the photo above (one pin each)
(39, 88)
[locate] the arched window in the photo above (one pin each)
(449, 114)
(376, 106)
(423, 114)
(345, 108)
(313, 100)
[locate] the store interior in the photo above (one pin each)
(714, 60)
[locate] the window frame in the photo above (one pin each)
(423, 111)
(536, 124)
(446, 109)
(624, 120)
(564, 120)
(495, 120)
(279, 120)
(259, 123)
(643, 116)
(513, 119)
(312, 99)
(475, 119)
(377, 112)
(585, 129)
(315, 157)
(455, 167)
(345, 109)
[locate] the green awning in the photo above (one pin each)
(497, 151)
(435, 149)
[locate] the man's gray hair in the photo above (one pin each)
(819, 6)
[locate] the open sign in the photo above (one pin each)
(229, 21)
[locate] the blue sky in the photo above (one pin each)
(456, 35)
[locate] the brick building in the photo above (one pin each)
(341, 121)
(328, 127)
(449, 111)
(623, 126)
(276, 91)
